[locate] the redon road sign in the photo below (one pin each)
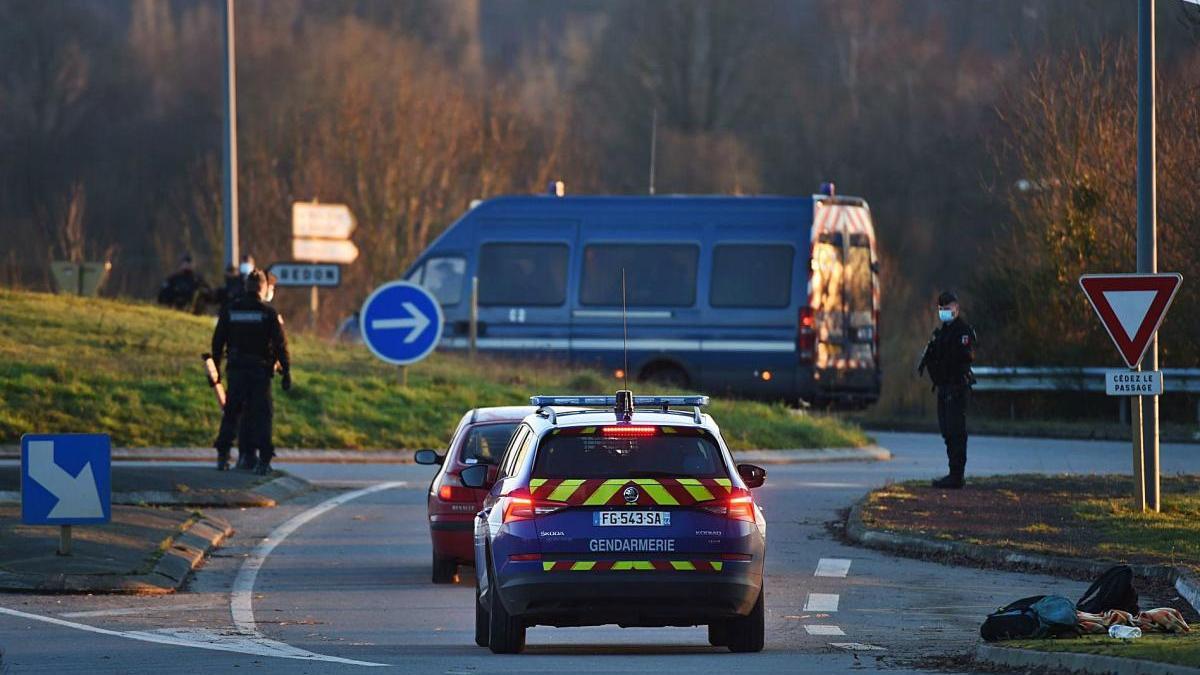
(1131, 307)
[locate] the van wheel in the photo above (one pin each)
(747, 634)
(506, 633)
(665, 374)
(482, 619)
(445, 570)
(718, 634)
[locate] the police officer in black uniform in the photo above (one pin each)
(948, 357)
(185, 289)
(253, 333)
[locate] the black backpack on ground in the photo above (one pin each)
(1112, 590)
(1038, 616)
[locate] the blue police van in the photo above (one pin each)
(765, 297)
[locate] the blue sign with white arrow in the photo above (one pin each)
(66, 479)
(401, 322)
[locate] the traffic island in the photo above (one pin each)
(173, 485)
(1069, 525)
(143, 550)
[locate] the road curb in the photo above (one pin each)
(869, 453)
(265, 495)
(921, 547)
(184, 553)
(1086, 663)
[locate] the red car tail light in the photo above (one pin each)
(452, 490)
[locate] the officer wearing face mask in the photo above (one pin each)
(948, 358)
(252, 332)
(235, 281)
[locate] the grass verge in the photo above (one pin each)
(1069, 515)
(132, 370)
(1181, 650)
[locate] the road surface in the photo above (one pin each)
(339, 580)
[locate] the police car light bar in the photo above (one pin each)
(608, 401)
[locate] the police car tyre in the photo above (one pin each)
(718, 634)
(482, 619)
(506, 633)
(445, 570)
(748, 633)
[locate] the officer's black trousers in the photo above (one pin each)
(248, 399)
(952, 421)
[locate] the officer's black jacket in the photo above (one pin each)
(951, 352)
(253, 332)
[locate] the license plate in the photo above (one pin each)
(631, 518)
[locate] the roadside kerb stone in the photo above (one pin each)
(904, 544)
(870, 453)
(187, 550)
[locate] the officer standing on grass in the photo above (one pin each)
(948, 357)
(252, 331)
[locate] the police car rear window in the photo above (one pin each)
(486, 443)
(648, 452)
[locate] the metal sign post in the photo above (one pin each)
(1147, 234)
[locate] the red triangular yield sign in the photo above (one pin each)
(1131, 307)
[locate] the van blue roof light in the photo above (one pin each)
(828, 189)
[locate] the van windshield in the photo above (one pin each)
(589, 453)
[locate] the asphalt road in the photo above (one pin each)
(339, 579)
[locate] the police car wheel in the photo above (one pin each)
(445, 570)
(506, 633)
(747, 634)
(718, 634)
(482, 619)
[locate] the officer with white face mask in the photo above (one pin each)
(948, 357)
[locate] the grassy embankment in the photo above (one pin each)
(133, 371)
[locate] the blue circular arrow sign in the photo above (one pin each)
(401, 322)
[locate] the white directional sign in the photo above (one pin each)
(1133, 383)
(322, 221)
(324, 250)
(65, 479)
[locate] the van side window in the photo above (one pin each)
(656, 275)
(751, 275)
(444, 278)
(523, 274)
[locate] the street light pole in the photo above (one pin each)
(229, 144)
(1147, 236)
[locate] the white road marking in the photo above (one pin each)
(821, 602)
(832, 567)
(856, 646)
(823, 630)
(241, 599)
(125, 611)
(199, 638)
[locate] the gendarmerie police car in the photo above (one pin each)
(633, 514)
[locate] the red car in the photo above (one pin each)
(481, 438)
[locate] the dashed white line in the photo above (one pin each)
(832, 567)
(823, 630)
(821, 602)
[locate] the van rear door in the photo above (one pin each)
(524, 274)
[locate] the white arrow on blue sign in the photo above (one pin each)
(401, 322)
(66, 479)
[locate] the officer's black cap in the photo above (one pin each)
(186, 258)
(946, 298)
